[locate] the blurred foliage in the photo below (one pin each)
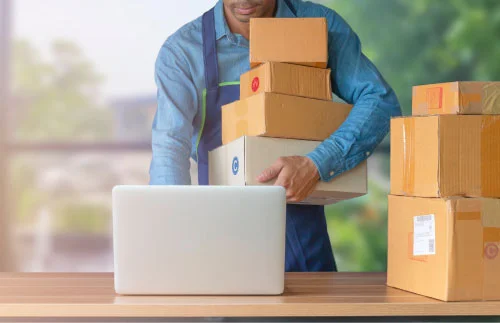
(86, 218)
(412, 42)
(358, 231)
(427, 41)
(24, 191)
(57, 98)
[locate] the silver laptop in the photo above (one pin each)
(199, 240)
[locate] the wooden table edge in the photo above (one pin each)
(260, 310)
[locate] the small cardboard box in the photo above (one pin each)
(457, 98)
(240, 162)
(282, 116)
(304, 81)
(445, 248)
(302, 41)
(447, 155)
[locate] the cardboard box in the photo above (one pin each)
(457, 98)
(290, 79)
(282, 116)
(447, 155)
(240, 162)
(445, 248)
(302, 41)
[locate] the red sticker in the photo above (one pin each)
(255, 84)
(491, 250)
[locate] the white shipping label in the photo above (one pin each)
(424, 235)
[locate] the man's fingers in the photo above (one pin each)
(271, 172)
(281, 181)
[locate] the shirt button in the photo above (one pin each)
(367, 153)
(332, 173)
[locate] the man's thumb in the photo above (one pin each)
(270, 173)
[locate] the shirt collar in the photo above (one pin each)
(283, 11)
(222, 28)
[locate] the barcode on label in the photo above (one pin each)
(431, 246)
(423, 218)
(424, 235)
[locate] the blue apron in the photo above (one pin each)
(307, 243)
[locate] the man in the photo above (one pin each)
(197, 71)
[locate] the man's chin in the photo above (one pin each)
(245, 18)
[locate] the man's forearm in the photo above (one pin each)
(357, 138)
(357, 81)
(170, 163)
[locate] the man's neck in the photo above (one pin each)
(242, 28)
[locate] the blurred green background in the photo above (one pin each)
(56, 96)
(411, 42)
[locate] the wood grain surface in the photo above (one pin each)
(306, 295)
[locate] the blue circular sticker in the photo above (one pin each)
(236, 165)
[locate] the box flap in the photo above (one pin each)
(414, 156)
(417, 261)
(301, 41)
(303, 81)
(303, 118)
(490, 156)
(460, 156)
(475, 259)
(491, 98)
(244, 117)
(491, 213)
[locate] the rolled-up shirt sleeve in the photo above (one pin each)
(172, 127)
(357, 81)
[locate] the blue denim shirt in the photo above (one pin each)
(179, 75)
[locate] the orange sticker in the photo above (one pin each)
(435, 98)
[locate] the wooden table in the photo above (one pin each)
(319, 295)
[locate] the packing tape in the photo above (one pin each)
(468, 216)
(491, 98)
(241, 128)
(408, 155)
(466, 99)
(490, 156)
(484, 259)
(491, 235)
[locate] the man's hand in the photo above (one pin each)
(298, 175)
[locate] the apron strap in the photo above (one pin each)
(292, 8)
(210, 50)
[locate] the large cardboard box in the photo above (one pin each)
(445, 248)
(447, 155)
(457, 98)
(240, 162)
(290, 79)
(302, 41)
(282, 116)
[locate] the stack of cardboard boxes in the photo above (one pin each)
(285, 108)
(444, 211)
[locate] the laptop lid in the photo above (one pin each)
(199, 239)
